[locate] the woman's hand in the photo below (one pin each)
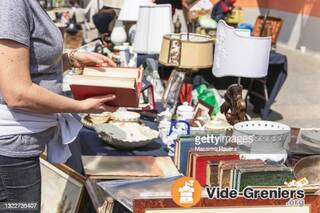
(81, 60)
(97, 104)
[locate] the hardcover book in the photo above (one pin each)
(212, 173)
(263, 176)
(226, 167)
(187, 142)
(197, 162)
(124, 83)
(235, 172)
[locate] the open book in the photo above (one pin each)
(124, 83)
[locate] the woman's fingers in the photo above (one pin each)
(94, 58)
(106, 61)
(106, 98)
(109, 61)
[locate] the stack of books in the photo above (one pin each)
(197, 164)
(186, 143)
(239, 174)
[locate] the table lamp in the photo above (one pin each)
(112, 3)
(187, 53)
(154, 21)
(130, 9)
(240, 55)
(129, 14)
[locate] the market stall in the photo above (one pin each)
(164, 129)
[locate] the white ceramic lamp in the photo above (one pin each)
(130, 9)
(153, 23)
(118, 35)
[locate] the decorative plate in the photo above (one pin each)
(311, 135)
(311, 138)
(126, 135)
(86, 122)
(125, 116)
(310, 145)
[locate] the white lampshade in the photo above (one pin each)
(239, 54)
(130, 9)
(153, 23)
(112, 3)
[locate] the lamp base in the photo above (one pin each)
(179, 79)
(170, 96)
(118, 35)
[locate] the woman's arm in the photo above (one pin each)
(19, 92)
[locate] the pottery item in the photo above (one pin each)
(263, 140)
(118, 35)
(125, 116)
(89, 120)
(308, 167)
(126, 135)
(185, 112)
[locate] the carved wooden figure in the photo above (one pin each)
(234, 107)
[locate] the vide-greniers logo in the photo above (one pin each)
(186, 192)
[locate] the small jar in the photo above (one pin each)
(185, 112)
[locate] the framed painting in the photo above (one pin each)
(62, 188)
(202, 110)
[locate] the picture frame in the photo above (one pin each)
(200, 109)
(271, 27)
(239, 205)
(101, 201)
(62, 188)
(148, 97)
(170, 96)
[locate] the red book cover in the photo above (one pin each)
(115, 81)
(201, 165)
(124, 97)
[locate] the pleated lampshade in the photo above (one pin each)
(112, 3)
(130, 9)
(153, 23)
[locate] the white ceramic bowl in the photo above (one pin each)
(262, 137)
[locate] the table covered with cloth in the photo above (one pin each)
(88, 143)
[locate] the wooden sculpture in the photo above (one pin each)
(234, 107)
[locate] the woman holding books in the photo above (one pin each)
(33, 113)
